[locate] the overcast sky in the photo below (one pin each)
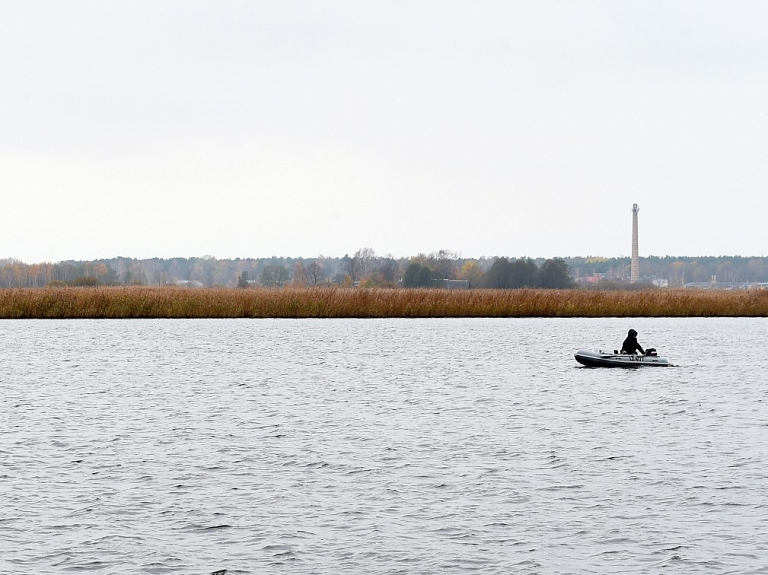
(252, 129)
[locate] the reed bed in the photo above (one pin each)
(172, 302)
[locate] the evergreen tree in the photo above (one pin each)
(554, 274)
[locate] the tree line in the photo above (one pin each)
(363, 268)
(502, 274)
(678, 271)
(366, 268)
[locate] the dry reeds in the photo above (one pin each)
(172, 302)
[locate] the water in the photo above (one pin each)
(381, 446)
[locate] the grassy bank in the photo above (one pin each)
(166, 302)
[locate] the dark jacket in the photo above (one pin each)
(630, 345)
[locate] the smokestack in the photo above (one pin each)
(634, 270)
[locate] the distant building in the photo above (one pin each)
(188, 283)
(726, 285)
(452, 284)
(594, 279)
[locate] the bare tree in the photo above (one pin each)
(313, 274)
(388, 269)
(444, 263)
(367, 261)
(352, 265)
(299, 274)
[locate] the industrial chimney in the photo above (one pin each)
(634, 270)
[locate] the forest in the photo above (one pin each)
(366, 268)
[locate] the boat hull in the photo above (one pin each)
(602, 359)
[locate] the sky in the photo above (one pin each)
(306, 128)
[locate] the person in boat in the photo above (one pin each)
(630, 344)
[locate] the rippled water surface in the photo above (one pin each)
(381, 446)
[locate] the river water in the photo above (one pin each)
(381, 446)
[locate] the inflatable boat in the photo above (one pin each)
(615, 359)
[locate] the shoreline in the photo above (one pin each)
(145, 302)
